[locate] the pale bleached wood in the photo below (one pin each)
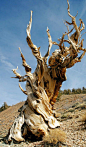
(42, 86)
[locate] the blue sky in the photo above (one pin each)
(14, 17)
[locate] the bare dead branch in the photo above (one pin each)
(16, 73)
(82, 55)
(77, 33)
(83, 34)
(21, 78)
(55, 43)
(69, 23)
(71, 41)
(76, 14)
(83, 25)
(27, 67)
(69, 9)
(69, 12)
(29, 26)
(25, 92)
(77, 59)
(33, 47)
(49, 47)
(61, 41)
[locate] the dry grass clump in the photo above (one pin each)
(55, 136)
(81, 106)
(74, 105)
(66, 116)
(71, 110)
(57, 114)
(83, 118)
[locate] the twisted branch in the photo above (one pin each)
(25, 92)
(27, 67)
(33, 47)
(21, 78)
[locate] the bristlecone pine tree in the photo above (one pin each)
(42, 86)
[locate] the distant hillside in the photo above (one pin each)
(69, 101)
(7, 118)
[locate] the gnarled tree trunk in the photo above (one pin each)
(42, 86)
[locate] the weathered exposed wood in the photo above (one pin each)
(42, 86)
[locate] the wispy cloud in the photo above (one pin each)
(6, 64)
(84, 9)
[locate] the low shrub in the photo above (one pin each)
(83, 118)
(55, 136)
(4, 107)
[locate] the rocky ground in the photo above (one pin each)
(70, 110)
